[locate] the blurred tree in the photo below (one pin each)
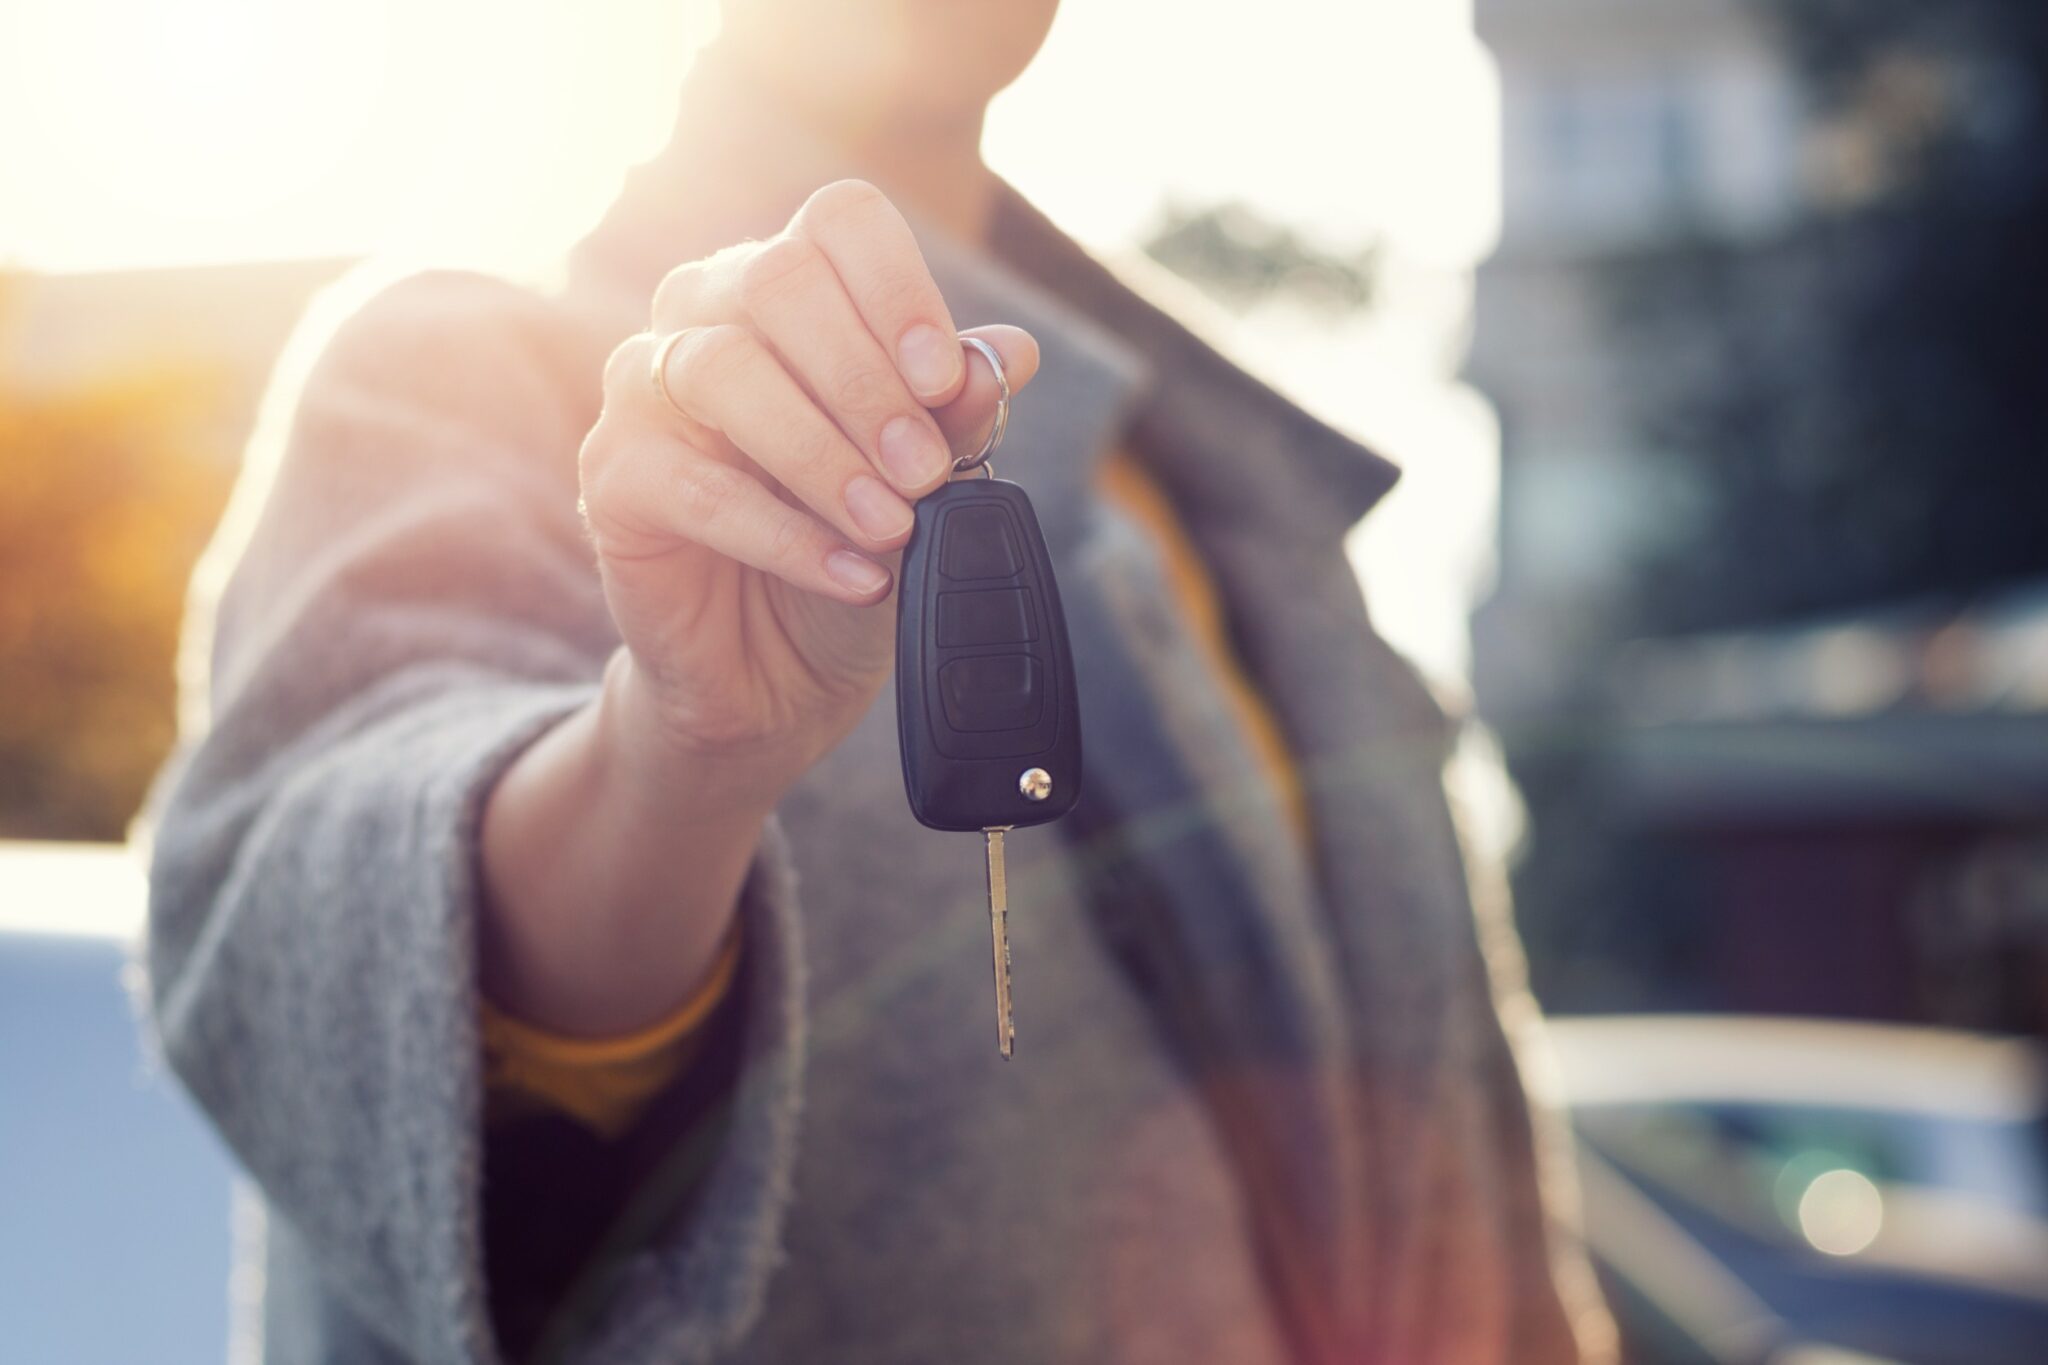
(1859, 408)
(105, 502)
(1239, 257)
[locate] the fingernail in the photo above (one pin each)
(930, 363)
(912, 452)
(879, 513)
(856, 573)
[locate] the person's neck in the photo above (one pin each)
(737, 121)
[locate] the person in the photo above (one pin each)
(538, 914)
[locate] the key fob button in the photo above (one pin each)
(992, 692)
(978, 543)
(993, 616)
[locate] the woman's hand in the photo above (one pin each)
(747, 522)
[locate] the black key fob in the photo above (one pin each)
(985, 702)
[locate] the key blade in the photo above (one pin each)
(999, 932)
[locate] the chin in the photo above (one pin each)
(937, 54)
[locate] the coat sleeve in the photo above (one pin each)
(411, 604)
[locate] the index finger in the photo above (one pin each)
(876, 257)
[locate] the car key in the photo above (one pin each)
(986, 710)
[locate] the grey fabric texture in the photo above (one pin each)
(411, 601)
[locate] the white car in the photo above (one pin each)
(1762, 1189)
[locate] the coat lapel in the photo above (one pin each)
(1268, 492)
(1199, 887)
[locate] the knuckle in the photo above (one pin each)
(786, 536)
(627, 362)
(673, 296)
(604, 510)
(840, 205)
(709, 356)
(907, 282)
(594, 455)
(775, 269)
(708, 492)
(809, 459)
(863, 389)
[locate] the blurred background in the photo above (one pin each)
(1708, 333)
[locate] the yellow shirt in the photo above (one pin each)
(606, 1083)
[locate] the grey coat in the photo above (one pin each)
(1263, 1107)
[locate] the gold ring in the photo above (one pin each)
(658, 370)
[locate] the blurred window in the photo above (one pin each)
(1680, 156)
(1580, 516)
(1604, 146)
(1629, 152)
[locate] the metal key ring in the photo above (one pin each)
(995, 432)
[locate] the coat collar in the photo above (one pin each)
(1227, 447)
(1230, 452)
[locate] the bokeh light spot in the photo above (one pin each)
(1841, 1212)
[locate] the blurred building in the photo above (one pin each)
(1630, 128)
(1841, 813)
(1853, 812)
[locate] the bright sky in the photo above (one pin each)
(151, 132)
(157, 131)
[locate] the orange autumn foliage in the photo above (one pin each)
(107, 495)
